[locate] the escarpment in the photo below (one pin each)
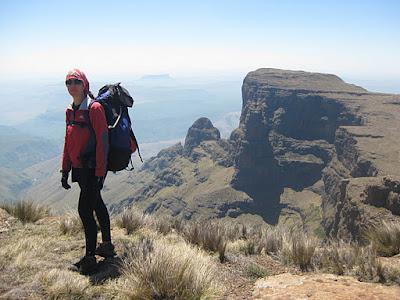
(299, 128)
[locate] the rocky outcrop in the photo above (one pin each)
(201, 130)
(297, 128)
(190, 181)
(386, 194)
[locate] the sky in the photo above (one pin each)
(354, 39)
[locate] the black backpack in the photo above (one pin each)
(122, 141)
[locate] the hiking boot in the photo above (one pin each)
(105, 249)
(85, 265)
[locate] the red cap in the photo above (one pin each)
(78, 74)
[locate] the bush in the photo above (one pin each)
(157, 270)
(26, 210)
(256, 271)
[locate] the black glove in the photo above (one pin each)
(100, 181)
(64, 180)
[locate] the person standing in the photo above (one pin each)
(85, 154)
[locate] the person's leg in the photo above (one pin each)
(103, 217)
(87, 200)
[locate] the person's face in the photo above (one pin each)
(75, 87)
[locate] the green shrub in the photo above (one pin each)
(256, 271)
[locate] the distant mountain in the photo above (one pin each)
(19, 151)
(12, 183)
(156, 77)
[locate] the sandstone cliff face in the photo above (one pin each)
(298, 128)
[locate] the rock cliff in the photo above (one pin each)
(298, 128)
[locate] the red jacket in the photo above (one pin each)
(78, 136)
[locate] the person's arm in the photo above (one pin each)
(66, 160)
(99, 123)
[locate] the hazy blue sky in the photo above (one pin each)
(349, 38)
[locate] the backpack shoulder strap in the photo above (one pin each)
(137, 144)
(89, 122)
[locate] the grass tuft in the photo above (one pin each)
(155, 269)
(385, 238)
(132, 220)
(70, 223)
(26, 211)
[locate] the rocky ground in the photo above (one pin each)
(320, 286)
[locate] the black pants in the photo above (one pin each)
(90, 200)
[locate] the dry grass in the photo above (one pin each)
(61, 284)
(388, 274)
(303, 248)
(158, 263)
(336, 257)
(166, 224)
(26, 211)
(70, 223)
(385, 238)
(343, 258)
(38, 250)
(273, 239)
(252, 245)
(367, 267)
(132, 220)
(155, 269)
(209, 235)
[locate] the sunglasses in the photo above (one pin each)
(73, 81)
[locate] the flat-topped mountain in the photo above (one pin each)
(300, 80)
(298, 128)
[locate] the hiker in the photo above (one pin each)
(87, 133)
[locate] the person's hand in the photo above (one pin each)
(64, 180)
(100, 181)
